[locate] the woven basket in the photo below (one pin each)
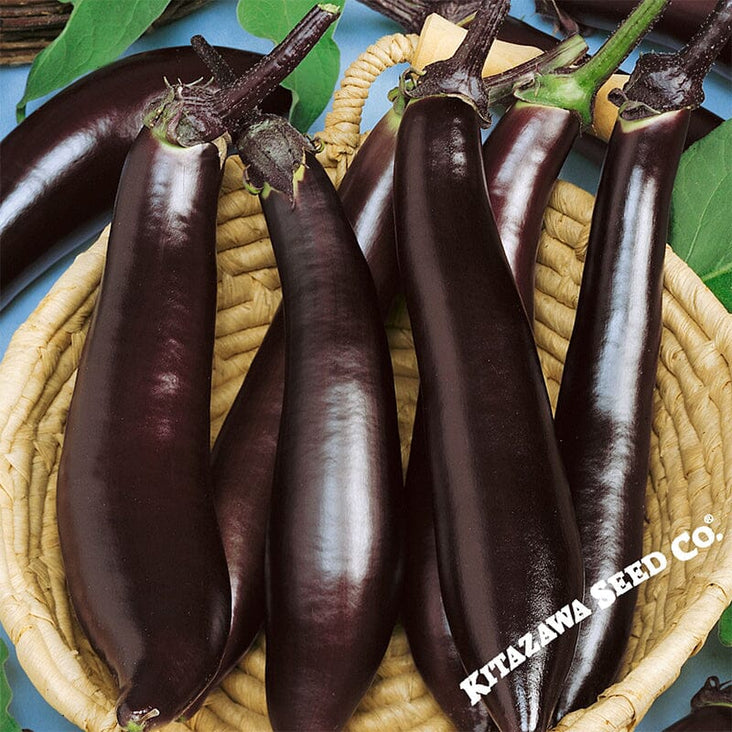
(690, 476)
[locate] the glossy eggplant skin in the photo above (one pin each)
(334, 545)
(675, 27)
(604, 410)
(501, 501)
(366, 193)
(522, 158)
(144, 562)
(243, 456)
(61, 165)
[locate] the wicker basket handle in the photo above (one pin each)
(342, 133)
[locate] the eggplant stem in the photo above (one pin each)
(471, 53)
(193, 114)
(249, 90)
(562, 55)
(700, 52)
(576, 90)
(223, 73)
(615, 50)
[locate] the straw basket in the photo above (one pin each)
(690, 476)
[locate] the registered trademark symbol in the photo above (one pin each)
(708, 518)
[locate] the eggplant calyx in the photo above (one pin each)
(672, 81)
(460, 76)
(575, 90)
(185, 115)
(273, 152)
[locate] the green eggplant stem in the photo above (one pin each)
(576, 90)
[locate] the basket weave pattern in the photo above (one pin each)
(690, 475)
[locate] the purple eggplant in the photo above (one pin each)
(61, 165)
(604, 409)
(333, 559)
(501, 501)
(244, 452)
(711, 709)
(144, 561)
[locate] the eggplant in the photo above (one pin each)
(501, 501)
(243, 455)
(522, 158)
(61, 165)
(711, 709)
(334, 554)
(144, 562)
(604, 409)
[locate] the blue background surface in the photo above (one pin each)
(358, 27)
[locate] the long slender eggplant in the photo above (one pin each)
(425, 622)
(243, 456)
(604, 410)
(501, 501)
(335, 528)
(61, 165)
(676, 27)
(145, 563)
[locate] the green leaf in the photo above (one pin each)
(700, 229)
(313, 81)
(97, 32)
(7, 723)
(725, 627)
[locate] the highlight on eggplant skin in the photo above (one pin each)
(61, 165)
